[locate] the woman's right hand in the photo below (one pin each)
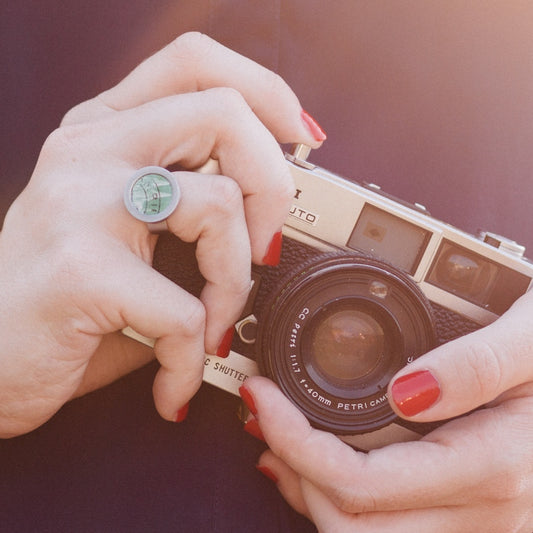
(75, 266)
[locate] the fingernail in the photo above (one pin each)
(252, 427)
(416, 392)
(248, 399)
(312, 125)
(267, 472)
(182, 413)
(225, 344)
(273, 253)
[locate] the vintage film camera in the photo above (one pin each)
(366, 284)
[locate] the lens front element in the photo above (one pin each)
(347, 345)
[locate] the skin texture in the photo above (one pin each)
(472, 474)
(75, 266)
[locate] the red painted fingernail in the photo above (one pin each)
(252, 427)
(225, 344)
(267, 472)
(273, 254)
(312, 125)
(248, 399)
(182, 413)
(416, 392)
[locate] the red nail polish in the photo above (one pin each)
(252, 427)
(225, 344)
(316, 131)
(267, 472)
(416, 392)
(182, 413)
(273, 254)
(248, 399)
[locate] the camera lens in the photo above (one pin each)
(333, 334)
(346, 344)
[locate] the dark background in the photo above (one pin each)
(432, 100)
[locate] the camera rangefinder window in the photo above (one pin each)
(389, 237)
(476, 279)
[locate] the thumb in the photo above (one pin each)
(470, 371)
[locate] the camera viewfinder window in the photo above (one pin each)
(476, 279)
(389, 237)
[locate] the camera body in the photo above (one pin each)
(366, 284)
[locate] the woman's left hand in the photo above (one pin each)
(472, 474)
(76, 267)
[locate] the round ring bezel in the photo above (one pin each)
(174, 200)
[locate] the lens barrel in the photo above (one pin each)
(335, 331)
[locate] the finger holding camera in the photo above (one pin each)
(488, 365)
(76, 264)
(473, 473)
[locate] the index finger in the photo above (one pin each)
(442, 469)
(194, 62)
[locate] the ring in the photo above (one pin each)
(151, 195)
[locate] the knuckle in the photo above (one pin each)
(280, 191)
(229, 100)
(508, 481)
(239, 288)
(285, 190)
(70, 263)
(191, 46)
(485, 366)
(512, 487)
(87, 111)
(64, 148)
(56, 202)
(224, 196)
(351, 500)
(76, 115)
(509, 488)
(72, 116)
(58, 140)
(227, 109)
(194, 323)
(65, 138)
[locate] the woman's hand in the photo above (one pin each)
(75, 265)
(472, 474)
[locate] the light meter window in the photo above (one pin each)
(389, 237)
